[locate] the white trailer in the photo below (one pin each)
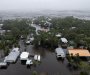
(59, 53)
(13, 55)
(24, 56)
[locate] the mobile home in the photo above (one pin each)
(24, 56)
(13, 55)
(59, 53)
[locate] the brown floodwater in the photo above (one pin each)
(48, 65)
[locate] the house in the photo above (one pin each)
(80, 52)
(2, 32)
(1, 26)
(63, 42)
(60, 53)
(58, 35)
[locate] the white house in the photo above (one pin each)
(64, 40)
(58, 35)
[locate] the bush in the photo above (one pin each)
(83, 73)
(34, 73)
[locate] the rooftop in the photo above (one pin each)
(24, 54)
(64, 40)
(59, 50)
(81, 52)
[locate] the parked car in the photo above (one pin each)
(29, 62)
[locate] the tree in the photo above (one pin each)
(85, 68)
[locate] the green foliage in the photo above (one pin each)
(74, 61)
(17, 28)
(46, 40)
(34, 73)
(6, 51)
(83, 73)
(84, 66)
(72, 28)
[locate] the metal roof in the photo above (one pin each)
(64, 40)
(81, 52)
(24, 55)
(12, 56)
(59, 50)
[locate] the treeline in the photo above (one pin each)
(75, 30)
(14, 29)
(46, 40)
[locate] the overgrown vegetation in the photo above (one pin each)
(14, 29)
(73, 29)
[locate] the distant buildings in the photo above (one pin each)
(58, 35)
(1, 26)
(3, 31)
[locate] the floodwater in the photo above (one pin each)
(37, 27)
(48, 65)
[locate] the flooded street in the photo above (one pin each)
(37, 27)
(49, 64)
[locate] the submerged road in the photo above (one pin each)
(49, 64)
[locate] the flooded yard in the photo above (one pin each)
(48, 65)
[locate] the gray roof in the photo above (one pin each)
(59, 50)
(12, 56)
